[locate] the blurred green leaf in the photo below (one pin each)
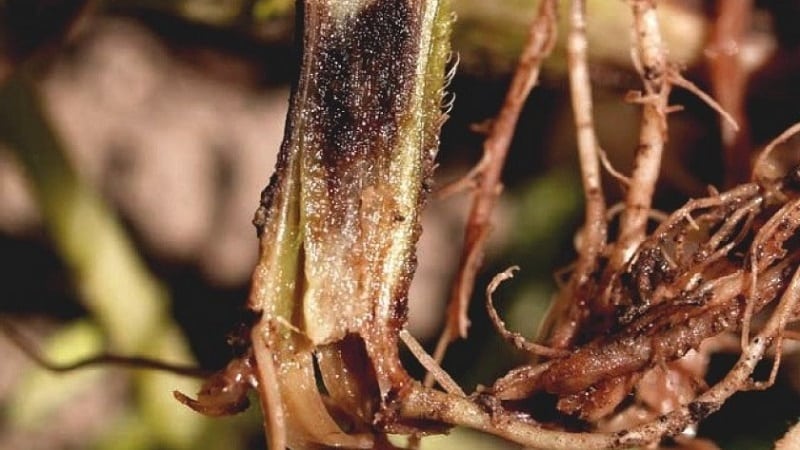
(129, 432)
(176, 425)
(125, 300)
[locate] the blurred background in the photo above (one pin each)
(136, 136)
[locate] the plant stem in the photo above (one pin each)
(339, 221)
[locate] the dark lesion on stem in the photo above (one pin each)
(339, 221)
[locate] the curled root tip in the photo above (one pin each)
(214, 405)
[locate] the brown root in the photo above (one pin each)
(514, 338)
(541, 39)
(30, 349)
(626, 344)
(706, 269)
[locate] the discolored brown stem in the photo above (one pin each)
(339, 221)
